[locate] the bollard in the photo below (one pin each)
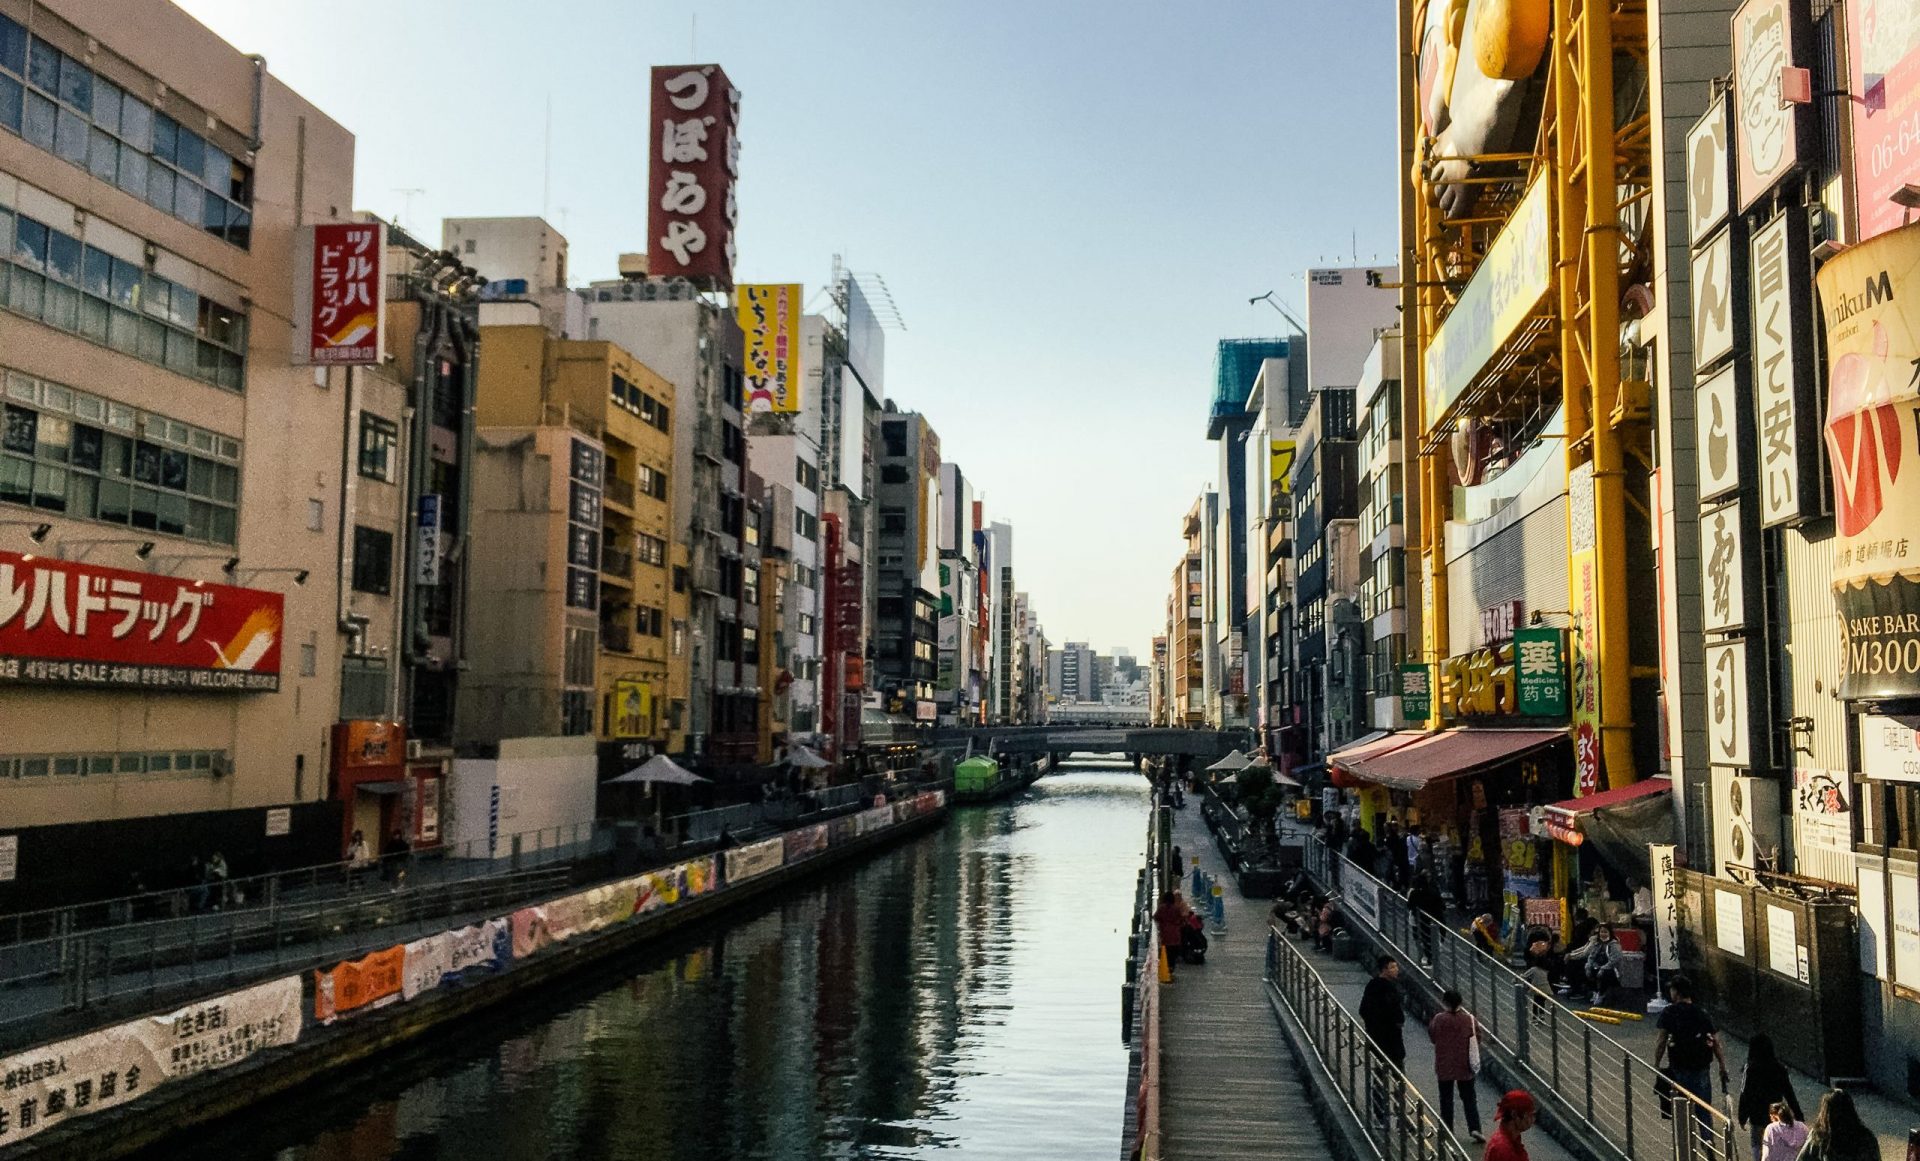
(1219, 911)
(1166, 973)
(1199, 879)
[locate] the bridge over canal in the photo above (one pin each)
(1064, 739)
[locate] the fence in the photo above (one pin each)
(1389, 1110)
(1581, 1074)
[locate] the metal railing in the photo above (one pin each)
(1584, 1075)
(1398, 1121)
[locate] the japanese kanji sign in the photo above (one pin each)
(1782, 362)
(1416, 692)
(1723, 570)
(1870, 296)
(1718, 444)
(1540, 671)
(693, 161)
(340, 294)
(770, 321)
(1769, 36)
(1727, 740)
(1708, 172)
(67, 623)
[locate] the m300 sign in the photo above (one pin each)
(64, 623)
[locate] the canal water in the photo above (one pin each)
(959, 994)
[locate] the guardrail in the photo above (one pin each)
(1579, 1072)
(1398, 1121)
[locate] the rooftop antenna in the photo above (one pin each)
(1273, 302)
(693, 37)
(546, 160)
(406, 203)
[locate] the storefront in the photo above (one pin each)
(1602, 840)
(372, 782)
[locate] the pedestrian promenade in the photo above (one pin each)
(1230, 1087)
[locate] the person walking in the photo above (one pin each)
(1383, 1012)
(1515, 1114)
(1837, 1132)
(1690, 1036)
(1167, 918)
(1393, 851)
(1360, 849)
(1428, 911)
(1764, 1084)
(1785, 1136)
(1455, 1035)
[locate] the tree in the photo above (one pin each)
(1262, 797)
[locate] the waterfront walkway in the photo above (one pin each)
(1230, 1087)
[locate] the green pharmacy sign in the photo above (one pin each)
(1416, 692)
(1540, 671)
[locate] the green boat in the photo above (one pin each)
(978, 779)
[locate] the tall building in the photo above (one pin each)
(1073, 672)
(1326, 565)
(1236, 364)
(958, 687)
(1186, 626)
(906, 560)
(1391, 616)
(161, 449)
(1002, 690)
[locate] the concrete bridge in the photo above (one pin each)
(1059, 738)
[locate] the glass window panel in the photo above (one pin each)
(223, 526)
(16, 480)
(6, 233)
(240, 226)
(132, 763)
(173, 514)
(133, 172)
(38, 124)
(96, 272)
(199, 520)
(89, 406)
(190, 152)
(30, 244)
(203, 760)
(43, 66)
(68, 766)
(214, 213)
(208, 364)
(76, 84)
(126, 283)
(50, 488)
(146, 462)
(86, 446)
(23, 292)
(229, 448)
(63, 307)
(219, 323)
(153, 340)
(188, 201)
(180, 351)
(203, 441)
(183, 307)
(106, 104)
(166, 136)
(218, 170)
(103, 156)
(160, 188)
(100, 764)
(159, 763)
(136, 123)
(123, 331)
(10, 96)
(232, 371)
(173, 469)
(70, 136)
(57, 397)
(116, 455)
(93, 318)
(13, 47)
(21, 431)
(34, 767)
(226, 482)
(82, 494)
(146, 508)
(114, 496)
(157, 296)
(55, 440)
(63, 257)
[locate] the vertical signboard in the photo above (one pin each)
(1416, 692)
(585, 466)
(1780, 271)
(1583, 583)
(769, 317)
(694, 162)
(1717, 446)
(339, 294)
(1540, 672)
(426, 556)
(1708, 162)
(1870, 296)
(1723, 566)
(1769, 36)
(1727, 732)
(1666, 906)
(1713, 300)
(1883, 39)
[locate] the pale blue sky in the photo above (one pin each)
(1071, 200)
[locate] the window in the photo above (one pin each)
(749, 644)
(118, 137)
(805, 525)
(378, 438)
(309, 660)
(372, 560)
(55, 278)
(650, 550)
(651, 481)
(654, 411)
(97, 765)
(750, 584)
(649, 621)
(806, 624)
(893, 520)
(806, 475)
(67, 451)
(316, 514)
(893, 473)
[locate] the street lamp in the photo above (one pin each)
(299, 574)
(41, 529)
(142, 548)
(227, 565)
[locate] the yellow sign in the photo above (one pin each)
(769, 317)
(632, 709)
(1479, 684)
(1506, 288)
(1281, 465)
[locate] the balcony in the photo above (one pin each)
(615, 638)
(616, 563)
(620, 493)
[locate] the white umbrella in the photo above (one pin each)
(805, 759)
(1232, 762)
(658, 768)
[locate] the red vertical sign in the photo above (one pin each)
(694, 159)
(344, 294)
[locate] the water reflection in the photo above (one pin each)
(958, 994)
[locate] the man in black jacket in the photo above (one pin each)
(1383, 1012)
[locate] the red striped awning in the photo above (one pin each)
(1450, 754)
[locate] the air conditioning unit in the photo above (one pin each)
(1746, 819)
(415, 748)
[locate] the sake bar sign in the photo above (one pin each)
(68, 623)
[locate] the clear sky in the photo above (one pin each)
(1071, 201)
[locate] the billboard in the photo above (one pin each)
(339, 294)
(1768, 36)
(692, 166)
(1884, 59)
(1868, 298)
(67, 623)
(866, 341)
(769, 318)
(632, 709)
(1508, 285)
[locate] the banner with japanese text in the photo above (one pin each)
(530, 932)
(425, 964)
(756, 859)
(339, 294)
(64, 622)
(693, 162)
(769, 317)
(372, 981)
(47, 1086)
(878, 818)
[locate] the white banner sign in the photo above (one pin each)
(1723, 568)
(1713, 301)
(1889, 750)
(486, 945)
(1717, 450)
(425, 964)
(1783, 937)
(757, 859)
(50, 1085)
(1727, 739)
(1363, 896)
(1904, 889)
(1779, 305)
(1666, 906)
(1707, 172)
(1730, 923)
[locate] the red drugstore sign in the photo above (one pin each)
(692, 166)
(342, 297)
(66, 623)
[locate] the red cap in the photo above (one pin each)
(1515, 1102)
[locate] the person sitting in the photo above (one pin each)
(1329, 919)
(1486, 937)
(1193, 935)
(1600, 958)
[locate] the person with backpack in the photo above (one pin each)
(1765, 1085)
(1688, 1040)
(1456, 1060)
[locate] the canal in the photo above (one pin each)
(957, 994)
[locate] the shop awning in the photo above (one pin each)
(1621, 821)
(1434, 757)
(1372, 746)
(397, 786)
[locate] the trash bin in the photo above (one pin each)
(1342, 944)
